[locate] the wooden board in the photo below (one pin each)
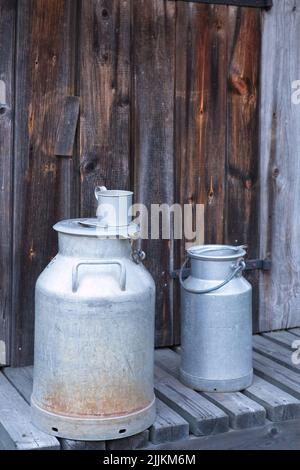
(200, 126)
(279, 405)
(276, 352)
(7, 54)
(43, 184)
(16, 430)
(169, 426)
(104, 88)
(284, 338)
(203, 416)
(276, 374)
(22, 379)
(280, 167)
(153, 139)
(242, 183)
(295, 331)
(65, 138)
(243, 413)
(272, 436)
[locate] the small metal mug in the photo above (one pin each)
(114, 207)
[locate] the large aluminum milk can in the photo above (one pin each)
(94, 337)
(216, 326)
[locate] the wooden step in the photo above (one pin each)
(16, 430)
(203, 416)
(278, 375)
(275, 351)
(169, 426)
(283, 338)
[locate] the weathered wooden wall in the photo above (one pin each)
(280, 167)
(169, 100)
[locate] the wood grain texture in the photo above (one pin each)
(22, 379)
(67, 125)
(203, 416)
(275, 351)
(16, 430)
(284, 338)
(277, 374)
(243, 412)
(242, 189)
(280, 167)
(200, 127)
(279, 405)
(104, 89)
(153, 138)
(7, 54)
(272, 436)
(168, 426)
(43, 184)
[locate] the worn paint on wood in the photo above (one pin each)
(7, 54)
(280, 167)
(104, 88)
(153, 138)
(42, 183)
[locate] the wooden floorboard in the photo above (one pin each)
(266, 415)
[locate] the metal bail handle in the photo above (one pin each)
(238, 268)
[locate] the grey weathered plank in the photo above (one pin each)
(7, 98)
(129, 443)
(283, 338)
(203, 416)
(275, 351)
(284, 378)
(280, 406)
(67, 126)
(22, 379)
(243, 412)
(295, 331)
(168, 426)
(272, 436)
(16, 429)
(279, 167)
(67, 444)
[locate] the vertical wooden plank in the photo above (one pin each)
(243, 135)
(105, 98)
(42, 183)
(280, 167)
(7, 51)
(153, 137)
(201, 64)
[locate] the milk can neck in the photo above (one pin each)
(211, 269)
(92, 247)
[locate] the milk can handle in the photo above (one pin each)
(240, 266)
(122, 279)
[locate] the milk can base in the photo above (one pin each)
(92, 429)
(204, 385)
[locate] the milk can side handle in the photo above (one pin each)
(240, 266)
(122, 279)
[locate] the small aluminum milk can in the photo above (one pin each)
(216, 325)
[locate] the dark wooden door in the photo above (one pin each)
(168, 94)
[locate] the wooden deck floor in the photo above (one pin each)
(266, 415)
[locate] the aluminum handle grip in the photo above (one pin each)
(122, 279)
(240, 266)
